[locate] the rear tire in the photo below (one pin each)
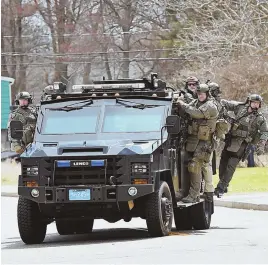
(71, 227)
(201, 215)
(159, 211)
(183, 219)
(32, 228)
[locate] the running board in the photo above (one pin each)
(185, 205)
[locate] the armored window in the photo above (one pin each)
(78, 121)
(120, 119)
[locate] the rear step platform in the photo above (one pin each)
(185, 205)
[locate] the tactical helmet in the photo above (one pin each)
(23, 95)
(255, 97)
(202, 88)
(192, 79)
(214, 89)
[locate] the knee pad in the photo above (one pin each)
(194, 167)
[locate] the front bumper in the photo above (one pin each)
(98, 194)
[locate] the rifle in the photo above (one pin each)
(183, 133)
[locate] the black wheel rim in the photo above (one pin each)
(166, 210)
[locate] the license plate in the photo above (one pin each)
(79, 195)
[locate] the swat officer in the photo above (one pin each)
(222, 128)
(28, 116)
(187, 94)
(248, 128)
(200, 143)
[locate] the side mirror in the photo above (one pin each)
(173, 124)
(16, 128)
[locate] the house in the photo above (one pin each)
(6, 102)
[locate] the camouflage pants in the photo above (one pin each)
(198, 159)
(208, 176)
(228, 163)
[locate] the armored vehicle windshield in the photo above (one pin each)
(103, 117)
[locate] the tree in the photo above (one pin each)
(61, 17)
(222, 40)
(14, 19)
(132, 24)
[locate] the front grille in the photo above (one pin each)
(87, 175)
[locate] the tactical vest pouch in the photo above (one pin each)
(191, 143)
(204, 133)
(235, 145)
(190, 129)
(240, 133)
(194, 128)
(235, 126)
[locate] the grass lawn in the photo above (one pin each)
(248, 180)
(9, 173)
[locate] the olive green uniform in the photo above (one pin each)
(222, 127)
(28, 117)
(248, 128)
(199, 143)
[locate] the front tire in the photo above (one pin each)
(32, 228)
(159, 211)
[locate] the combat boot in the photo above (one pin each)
(190, 199)
(179, 195)
(218, 192)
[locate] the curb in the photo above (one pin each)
(241, 205)
(227, 204)
(9, 194)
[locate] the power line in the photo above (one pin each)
(100, 61)
(89, 53)
(122, 60)
(88, 34)
(198, 47)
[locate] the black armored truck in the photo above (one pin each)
(108, 150)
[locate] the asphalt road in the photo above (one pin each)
(235, 236)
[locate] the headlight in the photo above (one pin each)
(35, 193)
(139, 168)
(32, 171)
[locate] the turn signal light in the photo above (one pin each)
(31, 184)
(140, 181)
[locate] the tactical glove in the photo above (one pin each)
(260, 148)
(18, 149)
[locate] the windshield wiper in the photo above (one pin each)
(38, 129)
(70, 107)
(136, 106)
